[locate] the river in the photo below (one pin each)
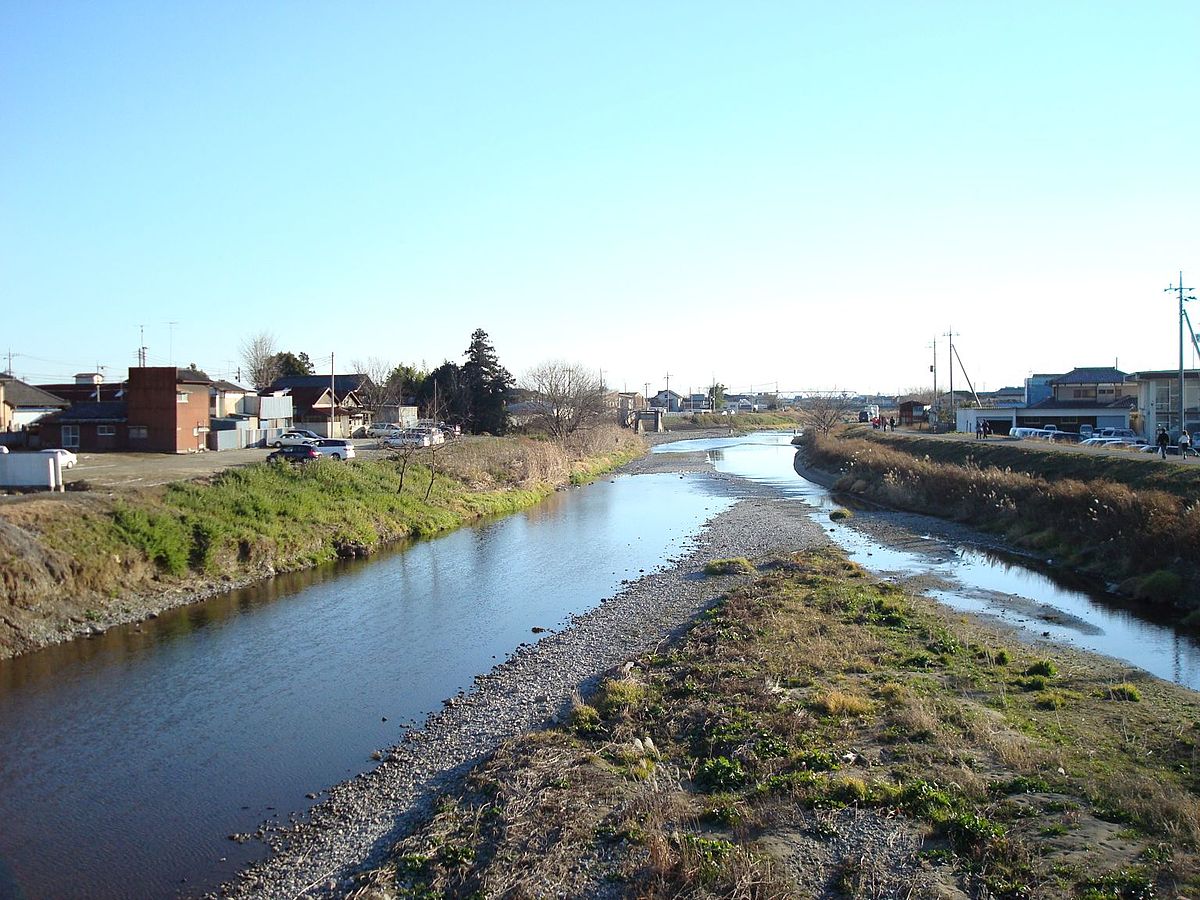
(127, 760)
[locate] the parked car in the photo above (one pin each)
(66, 458)
(294, 453)
(334, 448)
(409, 437)
(295, 437)
(384, 429)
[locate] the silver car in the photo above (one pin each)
(334, 448)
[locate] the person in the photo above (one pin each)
(1185, 443)
(1163, 442)
(892, 422)
(987, 429)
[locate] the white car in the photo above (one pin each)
(66, 458)
(295, 436)
(334, 448)
(409, 437)
(384, 429)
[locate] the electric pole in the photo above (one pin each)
(668, 397)
(1179, 289)
(952, 334)
(933, 369)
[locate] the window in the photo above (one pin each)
(106, 430)
(138, 432)
(181, 396)
(70, 436)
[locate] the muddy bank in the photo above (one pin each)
(361, 818)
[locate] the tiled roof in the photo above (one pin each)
(342, 384)
(1094, 375)
(222, 385)
(107, 411)
(20, 395)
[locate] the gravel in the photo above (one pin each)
(362, 818)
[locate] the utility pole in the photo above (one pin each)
(668, 398)
(933, 369)
(141, 346)
(171, 342)
(1179, 289)
(332, 395)
(952, 334)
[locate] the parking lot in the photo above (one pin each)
(139, 470)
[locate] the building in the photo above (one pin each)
(1099, 396)
(668, 400)
(23, 404)
(163, 410)
(316, 399)
(1038, 388)
(1158, 400)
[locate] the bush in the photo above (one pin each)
(737, 565)
(1044, 668)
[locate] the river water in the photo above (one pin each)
(126, 760)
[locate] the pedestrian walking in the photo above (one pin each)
(987, 429)
(1185, 443)
(1163, 442)
(892, 422)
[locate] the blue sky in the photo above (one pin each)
(780, 193)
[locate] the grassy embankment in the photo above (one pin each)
(817, 734)
(1134, 521)
(742, 422)
(79, 557)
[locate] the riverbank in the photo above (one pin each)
(1128, 521)
(76, 564)
(532, 690)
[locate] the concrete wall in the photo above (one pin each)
(30, 470)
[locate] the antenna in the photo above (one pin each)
(171, 342)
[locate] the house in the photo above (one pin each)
(1006, 396)
(314, 396)
(163, 410)
(227, 399)
(668, 400)
(23, 404)
(317, 410)
(1158, 400)
(1098, 396)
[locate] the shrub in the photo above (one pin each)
(737, 565)
(1044, 667)
(840, 513)
(721, 773)
(1124, 691)
(619, 695)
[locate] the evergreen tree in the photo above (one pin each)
(486, 385)
(441, 395)
(287, 364)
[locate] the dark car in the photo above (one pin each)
(295, 453)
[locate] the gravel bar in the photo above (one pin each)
(362, 818)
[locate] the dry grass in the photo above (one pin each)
(1145, 535)
(808, 702)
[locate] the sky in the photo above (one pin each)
(772, 195)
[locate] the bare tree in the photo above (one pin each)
(259, 359)
(825, 410)
(378, 389)
(567, 397)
